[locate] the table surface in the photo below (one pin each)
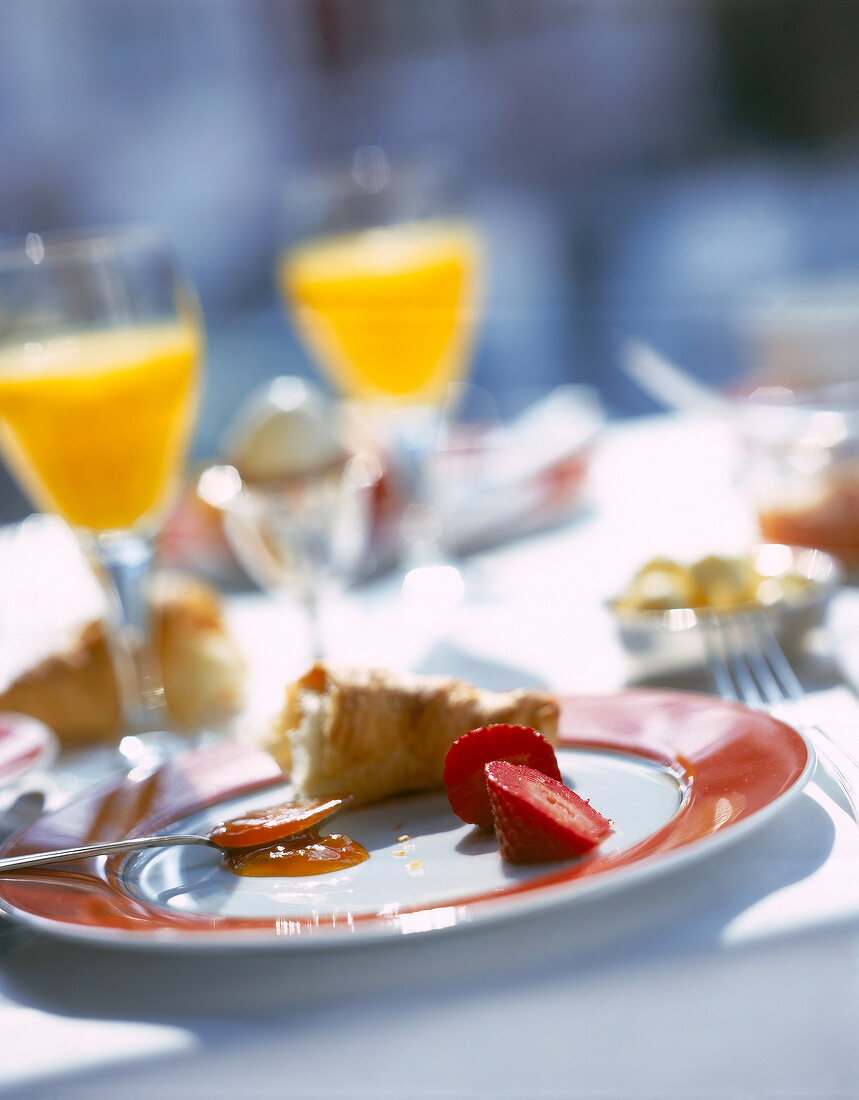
(734, 977)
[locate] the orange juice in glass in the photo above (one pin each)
(100, 348)
(388, 312)
(382, 276)
(96, 424)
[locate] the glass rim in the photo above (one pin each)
(84, 244)
(373, 168)
(372, 186)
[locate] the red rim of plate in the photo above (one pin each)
(733, 764)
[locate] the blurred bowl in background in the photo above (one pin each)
(795, 587)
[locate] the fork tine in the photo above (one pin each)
(733, 668)
(780, 665)
(747, 664)
(757, 653)
(783, 690)
(748, 672)
(717, 663)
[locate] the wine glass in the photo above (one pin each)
(382, 276)
(100, 348)
(291, 501)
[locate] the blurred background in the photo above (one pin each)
(644, 168)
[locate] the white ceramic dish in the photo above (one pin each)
(680, 774)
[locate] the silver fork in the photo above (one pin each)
(748, 665)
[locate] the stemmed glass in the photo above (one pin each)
(382, 275)
(289, 501)
(100, 348)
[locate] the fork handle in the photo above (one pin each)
(61, 855)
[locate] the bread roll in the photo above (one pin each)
(201, 666)
(75, 691)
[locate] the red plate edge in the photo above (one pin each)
(733, 762)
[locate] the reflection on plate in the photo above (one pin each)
(678, 774)
(25, 744)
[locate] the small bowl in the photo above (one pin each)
(673, 640)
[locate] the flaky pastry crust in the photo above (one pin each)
(374, 733)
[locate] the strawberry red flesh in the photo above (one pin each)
(463, 767)
(537, 818)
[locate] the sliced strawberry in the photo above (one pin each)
(463, 765)
(537, 818)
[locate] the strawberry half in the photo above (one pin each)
(465, 760)
(537, 818)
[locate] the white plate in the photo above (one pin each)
(678, 774)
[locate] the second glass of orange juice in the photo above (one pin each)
(384, 283)
(388, 312)
(100, 350)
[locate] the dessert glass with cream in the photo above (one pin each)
(290, 507)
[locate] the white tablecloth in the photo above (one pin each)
(735, 977)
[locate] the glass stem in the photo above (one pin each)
(421, 527)
(310, 605)
(127, 562)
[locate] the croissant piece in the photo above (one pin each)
(375, 733)
(75, 691)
